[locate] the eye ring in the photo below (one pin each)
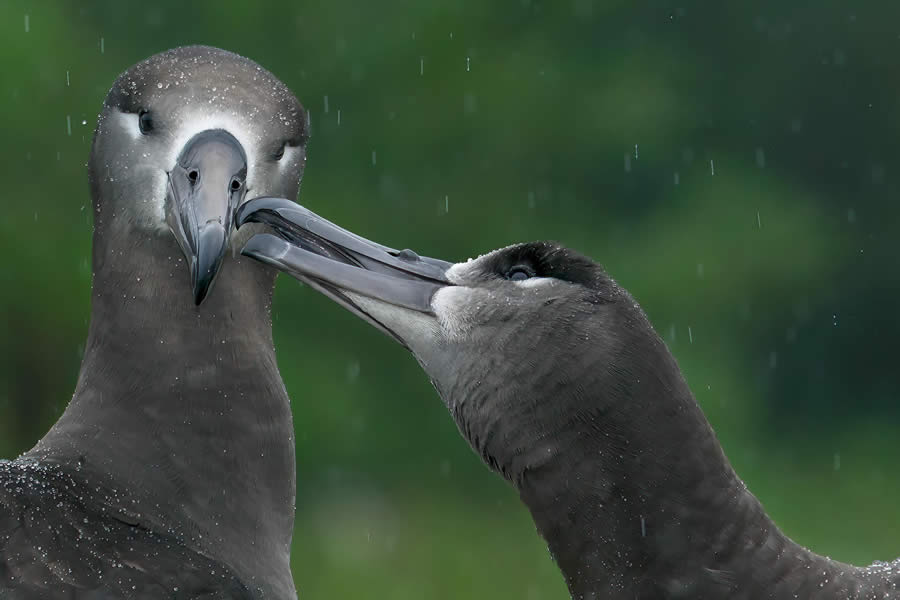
(236, 184)
(519, 273)
(145, 122)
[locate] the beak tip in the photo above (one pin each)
(249, 211)
(199, 287)
(241, 215)
(199, 296)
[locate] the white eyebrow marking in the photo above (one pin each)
(535, 282)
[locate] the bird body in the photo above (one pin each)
(171, 473)
(556, 378)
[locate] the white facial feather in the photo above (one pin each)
(449, 305)
(460, 272)
(534, 282)
(189, 124)
(456, 305)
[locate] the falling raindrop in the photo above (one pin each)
(758, 221)
(760, 158)
(326, 104)
(422, 66)
(374, 160)
(353, 370)
(67, 79)
(690, 335)
(69, 125)
(27, 23)
(635, 152)
(102, 46)
(467, 64)
(470, 103)
(339, 117)
(712, 167)
(446, 203)
(677, 178)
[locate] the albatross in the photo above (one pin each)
(558, 381)
(171, 473)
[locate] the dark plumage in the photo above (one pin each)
(557, 380)
(171, 473)
(65, 537)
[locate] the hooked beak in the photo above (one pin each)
(339, 263)
(204, 189)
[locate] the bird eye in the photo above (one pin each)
(279, 154)
(519, 274)
(235, 184)
(145, 122)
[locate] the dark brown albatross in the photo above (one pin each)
(171, 473)
(558, 381)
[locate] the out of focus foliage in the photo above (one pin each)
(735, 165)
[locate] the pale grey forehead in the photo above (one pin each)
(185, 82)
(190, 89)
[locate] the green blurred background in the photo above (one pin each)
(733, 164)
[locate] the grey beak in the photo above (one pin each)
(204, 189)
(335, 260)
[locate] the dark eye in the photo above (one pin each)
(279, 154)
(519, 274)
(236, 184)
(145, 122)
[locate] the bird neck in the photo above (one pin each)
(184, 407)
(651, 508)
